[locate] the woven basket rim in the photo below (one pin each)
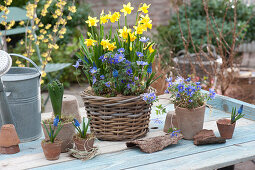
(86, 94)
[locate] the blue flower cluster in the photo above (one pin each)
(187, 93)
(149, 97)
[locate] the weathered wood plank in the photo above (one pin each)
(225, 104)
(208, 160)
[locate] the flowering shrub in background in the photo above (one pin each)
(187, 94)
(120, 61)
(46, 34)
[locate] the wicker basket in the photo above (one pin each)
(117, 118)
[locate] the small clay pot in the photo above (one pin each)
(65, 135)
(83, 144)
(225, 128)
(51, 150)
(9, 140)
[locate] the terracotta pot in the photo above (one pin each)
(65, 135)
(51, 150)
(83, 144)
(225, 128)
(9, 139)
(190, 122)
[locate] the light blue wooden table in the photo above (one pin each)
(184, 155)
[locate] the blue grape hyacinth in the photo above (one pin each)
(55, 121)
(76, 123)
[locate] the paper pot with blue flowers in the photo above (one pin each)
(56, 92)
(189, 102)
(51, 146)
(226, 127)
(83, 140)
(118, 66)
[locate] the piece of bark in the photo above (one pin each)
(170, 122)
(210, 140)
(207, 137)
(154, 144)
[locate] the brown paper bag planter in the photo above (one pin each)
(83, 144)
(190, 122)
(170, 122)
(70, 107)
(225, 128)
(117, 118)
(9, 140)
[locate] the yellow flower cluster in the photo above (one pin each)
(142, 25)
(45, 8)
(107, 45)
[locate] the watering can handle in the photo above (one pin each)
(21, 56)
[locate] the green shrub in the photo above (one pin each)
(169, 37)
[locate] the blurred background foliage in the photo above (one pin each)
(67, 46)
(169, 37)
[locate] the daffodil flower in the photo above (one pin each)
(92, 21)
(124, 32)
(90, 42)
(127, 9)
(144, 8)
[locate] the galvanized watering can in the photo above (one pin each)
(22, 86)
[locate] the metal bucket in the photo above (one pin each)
(22, 86)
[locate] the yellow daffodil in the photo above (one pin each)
(105, 43)
(90, 42)
(140, 29)
(127, 9)
(103, 19)
(132, 36)
(144, 8)
(124, 32)
(151, 50)
(92, 21)
(147, 25)
(145, 18)
(111, 46)
(115, 17)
